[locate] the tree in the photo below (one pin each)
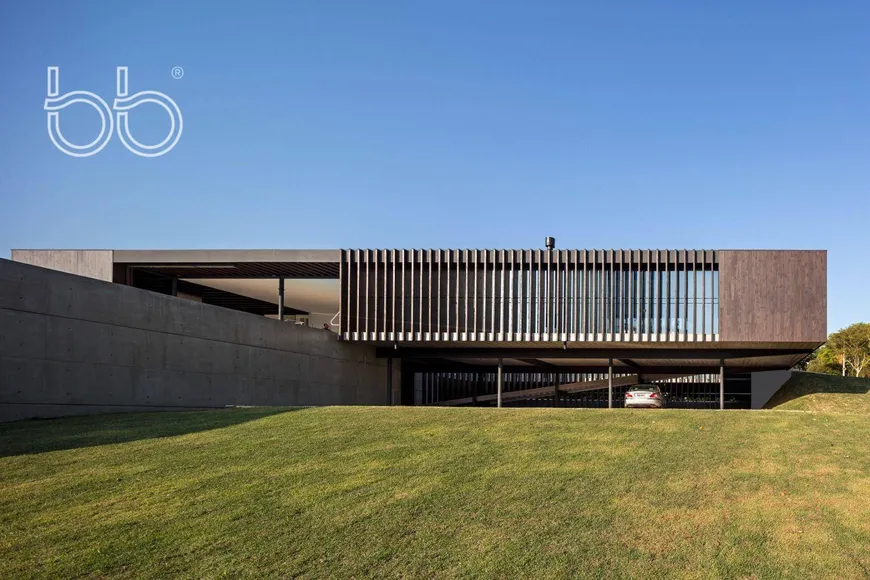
(853, 344)
(823, 360)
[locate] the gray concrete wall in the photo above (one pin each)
(70, 344)
(91, 263)
(765, 384)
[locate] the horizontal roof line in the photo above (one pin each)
(181, 256)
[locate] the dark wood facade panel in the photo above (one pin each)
(773, 295)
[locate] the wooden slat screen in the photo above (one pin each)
(529, 295)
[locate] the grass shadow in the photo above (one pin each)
(32, 436)
(802, 384)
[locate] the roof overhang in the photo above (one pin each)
(644, 358)
(233, 263)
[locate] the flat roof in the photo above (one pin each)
(211, 256)
(234, 263)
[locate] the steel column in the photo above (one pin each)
(500, 379)
(281, 299)
(390, 381)
(721, 385)
(610, 383)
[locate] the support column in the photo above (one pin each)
(174, 290)
(281, 299)
(610, 383)
(721, 385)
(389, 380)
(500, 380)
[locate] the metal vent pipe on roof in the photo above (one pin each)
(550, 243)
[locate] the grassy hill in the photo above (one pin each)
(823, 394)
(428, 492)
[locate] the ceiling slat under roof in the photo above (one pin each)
(244, 270)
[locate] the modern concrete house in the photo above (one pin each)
(457, 327)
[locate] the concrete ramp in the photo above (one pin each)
(549, 391)
(75, 345)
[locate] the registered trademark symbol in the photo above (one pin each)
(177, 72)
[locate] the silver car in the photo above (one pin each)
(644, 396)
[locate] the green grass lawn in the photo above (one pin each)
(823, 394)
(429, 492)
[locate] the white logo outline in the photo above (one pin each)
(122, 105)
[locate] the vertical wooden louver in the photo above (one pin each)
(529, 295)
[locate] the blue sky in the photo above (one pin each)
(632, 124)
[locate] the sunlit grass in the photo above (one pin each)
(423, 492)
(823, 394)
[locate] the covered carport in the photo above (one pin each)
(712, 375)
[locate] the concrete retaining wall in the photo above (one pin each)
(91, 263)
(765, 384)
(70, 345)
